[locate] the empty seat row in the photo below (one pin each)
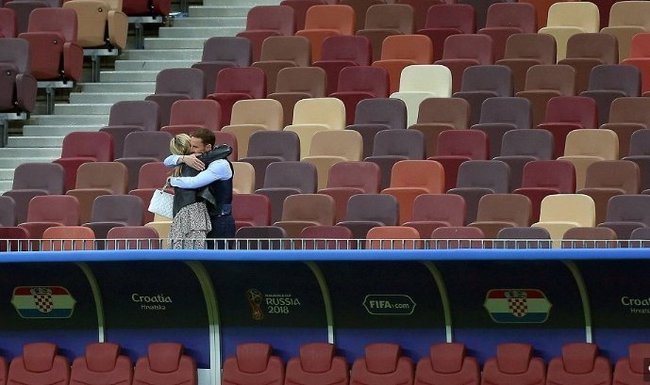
(450, 363)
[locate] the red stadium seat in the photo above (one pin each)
(253, 364)
(317, 365)
(102, 364)
(39, 365)
(383, 364)
(165, 364)
(447, 364)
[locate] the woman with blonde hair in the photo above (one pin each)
(191, 221)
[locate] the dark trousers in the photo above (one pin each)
(222, 227)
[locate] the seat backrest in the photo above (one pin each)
(512, 15)
(317, 364)
(229, 49)
(317, 208)
(147, 144)
(639, 143)
(388, 111)
(62, 209)
(531, 237)
(242, 80)
(310, 80)
(8, 211)
(266, 112)
(296, 49)
(363, 175)
(326, 111)
(513, 208)
(252, 208)
(630, 110)
(397, 17)
(98, 145)
(101, 364)
(447, 363)
(534, 46)
(417, 48)
(165, 364)
(355, 49)
(492, 174)
(204, 113)
(578, 208)
(457, 16)
(557, 77)
(492, 78)
(454, 112)
(536, 143)
(426, 174)
(153, 175)
(514, 362)
(409, 143)
(512, 110)
(431, 78)
(628, 208)
(131, 238)
(103, 175)
(291, 174)
(41, 176)
(39, 365)
(592, 142)
(141, 113)
(59, 20)
(118, 208)
(7, 23)
(583, 15)
(373, 207)
(600, 46)
(337, 17)
(383, 364)
(59, 238)
(182, 81)
(616, 77)
(469, 46)
(630, 370)
(253, 363)
(15, 51)
(278, 18)
(347, 144)
(283, 144)
(392, 237)
(579, 364)
(448, 208)
(581, 110)
(555, 174)
(472, 144)
(367, 79)
(622, 174)
(629, 13)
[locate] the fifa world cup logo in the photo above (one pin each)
(255, 298)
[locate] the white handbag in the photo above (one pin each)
(162, 203)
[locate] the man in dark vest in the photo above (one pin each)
(217, 177)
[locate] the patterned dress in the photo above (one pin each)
(190, 226)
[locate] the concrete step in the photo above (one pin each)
(59, 130)
(162, 54)
(240, 2)
(128, 76)
(6, 173)
(15, 162)
(158, 43)
(207, 32)
(5, 185)
(148, 87)
(218, 11)
(105, 98)
(73, 120)
(151, 65)
(83, 109)
(9, 152)
(211, 22)
(35, 141)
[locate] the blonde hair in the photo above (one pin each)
(179, 145)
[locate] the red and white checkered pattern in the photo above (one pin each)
(43, 299)
(518, 306)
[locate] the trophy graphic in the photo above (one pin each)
(255, 298)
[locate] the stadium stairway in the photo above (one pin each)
(133, 78)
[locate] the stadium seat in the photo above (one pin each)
(132, 238)
(302, 210)
(457, 237)
(463, 51)
(331, 147)
(143, 147)
(579, 364)
(391, 146)
(625, 213)
(80, 147)
(437, 114)
(626, 116)
(313, 115)
(586, 146)
(383, 20)
(357, 83)
(10, 240)
(317, 364)
(280, 52)
(128, 116)
(360, 8)
(235, 84)
(587, 50)
(626, 19)
(7, 23)
(629, 370)
(444, 20)
(253, 363)
(366, 211)
(506, 19)
(326, 238)
(524, 50)
(497, 211)
(322, 21)
(610, 82)
(341, 51)
(221, 52)
(420, 9)
(447, 363)
(174, 84)
(400, 51)
(58, 238)
(300, 8)
(7, 211)
(165, 364)
(566, 19)
(39, 364)
(251, 210)
(110, 211)
(101, 364)
(152, 176)
(482, 82)
(589, 237)
(514, 362)
(18, 85)
(431, 211)
(523, 238)
(263, 21)
(500, 115)
(187, 116)
(382, 364)
(296, 83)
(262, 238)
(101, 24)
(560, 212)
(393, 238)
(457, 146)
(377, 114)
(50, 210)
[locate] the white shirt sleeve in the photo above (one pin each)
(217, 170)
(171, 160)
